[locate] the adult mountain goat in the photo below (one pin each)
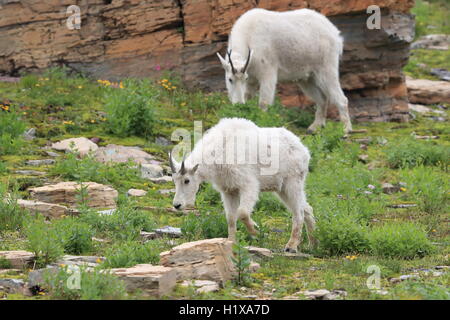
(241, 159)
(265, 47)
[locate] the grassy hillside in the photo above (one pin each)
(357, 227)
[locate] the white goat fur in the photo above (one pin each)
(300, 45)
(240, 184)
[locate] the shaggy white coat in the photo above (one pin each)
(240, 184)
(299, 45)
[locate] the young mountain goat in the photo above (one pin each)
(241, 159)
(265, 47)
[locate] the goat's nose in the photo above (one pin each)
(177, 206)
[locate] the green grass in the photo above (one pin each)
(431, 18)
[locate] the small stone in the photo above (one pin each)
(107, 212)
(363, 158)
(382, 292)
(166, 191)
(169, 231)
(254, 267)
(426, 137)
(442, 267)
(358, 131)
(403, 278)
(12, 285)
(203, 286)
(30, 173)
(151, 171)
(389, 188)
(402, 205)
(52, 154)
(120, 154)
(164, 179)
(146, 236)
(30, 134)
(419, 108)
(363, 140)
(297, 255)
(82, 145)
(136, 193)
(260, 252)
(363, 146)
(43, 162)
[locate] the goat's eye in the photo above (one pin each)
(186, 181)
(231, 80)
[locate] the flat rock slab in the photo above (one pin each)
(30, 173)
(432, 42)
(13, 286)
(48, 210)
(424, 91)
(99, 195)
(136, 193)
(169, 231)
(89, 261)
(82, 145)
(42, 162)
(120, 154)
(204, 260)
(18, 259)
(161, 180)
(260, 252)
(146, 236)
(152, 280)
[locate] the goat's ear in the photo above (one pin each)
(224, 62)
(194, 169)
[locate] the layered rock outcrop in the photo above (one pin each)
(133, 38)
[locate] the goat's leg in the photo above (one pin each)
(310, 88)
(294, 198)
(231, 204)
(328, 81)
(248, 198)
(267, 89)
(310, 225)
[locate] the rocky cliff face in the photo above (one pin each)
(133, 38)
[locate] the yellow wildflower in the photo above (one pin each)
(402, 189)
(98, 260)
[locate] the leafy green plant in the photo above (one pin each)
(93, 284)
(44, 241)
(400, 240)
(130, 253)
(5, 264)
(12, 216)
(76, 235)
(130, 110)
(409, 290)
(205, 226)
(124, 223)
(341, 234)
(241, 259)
(11, 130)
(429, 187)
(70, 167)
(409, 153)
